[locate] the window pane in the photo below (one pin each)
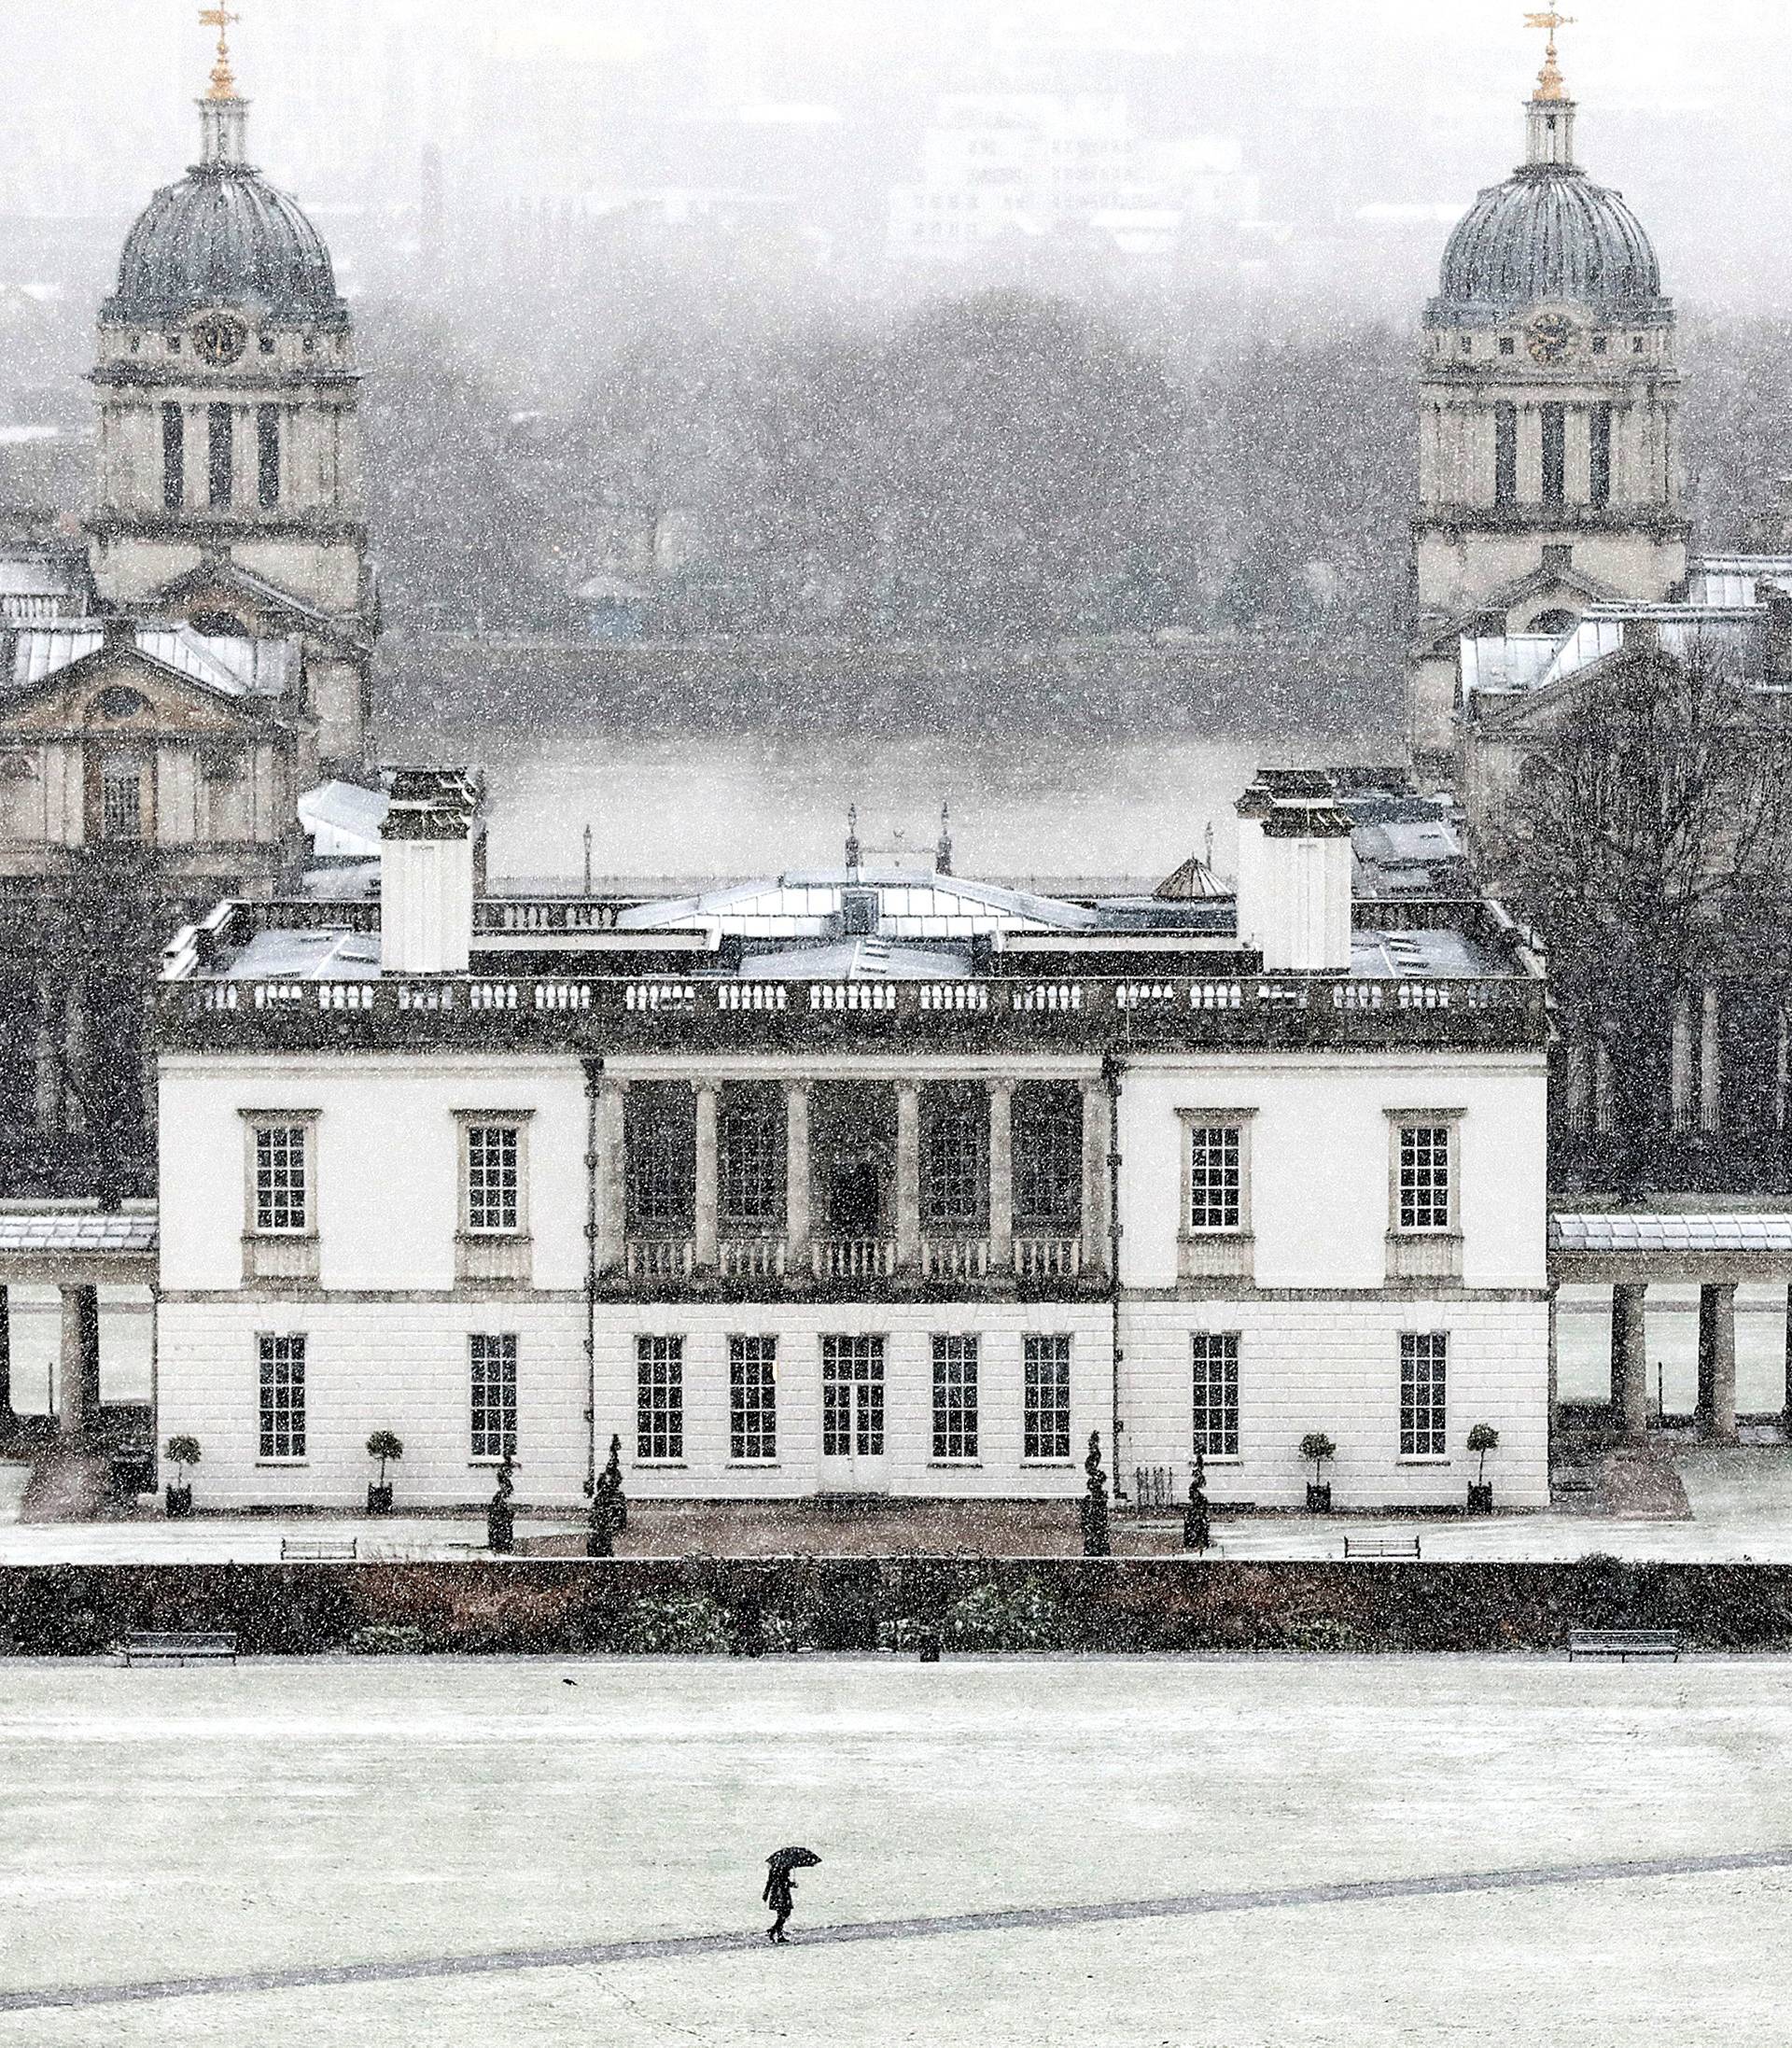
(492, 1177)
(955, 1396)
(121, 802)
(753, 1162)
(661, 1125)
(1424, 1359)
(1215, 1180)
(953, 1161)
(1506, 454)
(1048, 1157)
(221, 452)
(267, 432)
(280, 1201)
(852, 1396)
(1425, 1177)
(1216, 1392)
(494, 1394)
(174, 459)
(1555, 444)
(752, 1396)
(659, 1365)
(1047, 1365)
(283, 1397)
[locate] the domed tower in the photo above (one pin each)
(230, 478)
(1550, 460)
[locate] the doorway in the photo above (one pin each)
(853, 1459)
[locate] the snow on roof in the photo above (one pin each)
(858, 960)
(1726, 636)
(1645, 1232)
(307, 956)
(231, 668)
(1511, 661)
(1736, 579)
(78, 1230)
(343, 818)
(908, 906)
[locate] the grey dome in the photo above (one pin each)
(1548, 233)
(224, 237)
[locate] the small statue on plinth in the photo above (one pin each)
(500, 1517)
(1197, 1528)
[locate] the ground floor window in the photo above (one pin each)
(955, 1397)
(283, 1397)
(1047, 1429)
(1424, 1362)
(1216, 1392)
(852, 1396)
(659, 1367)
(752, 1397)
(494, 1395)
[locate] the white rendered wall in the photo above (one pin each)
(425, 906)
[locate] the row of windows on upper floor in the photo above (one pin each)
(220, 457)
(1553, 423)
(268, 344)
(1507, 346)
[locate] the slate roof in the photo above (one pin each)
(82, 1232)
(1742, 1232)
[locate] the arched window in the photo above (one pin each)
(174, 459)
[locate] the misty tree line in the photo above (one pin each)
(1006, 464)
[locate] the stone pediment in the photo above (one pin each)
(1516, 604)
(225, 589)
(121, 690)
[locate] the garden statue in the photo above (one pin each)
(1094, 1503)
(500, 1517)
(1196, 1522)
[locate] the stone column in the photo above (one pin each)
(1710, 1063)
(73, 1044)
(706, 1218)
(80, 1368)
(613, 1172)
(796, 1175)
(1098, 1140)
(1707, 1357)
(1001, 1176)
(1551, 1418)
(908, 1175)
(1630, 1363)
(1787, 1401)
(1601, 1086)
(1723, 1361)
(49, 1075)
(5, 1356)
(1680, 1086)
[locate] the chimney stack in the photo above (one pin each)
(431, 850)
(1294, 860)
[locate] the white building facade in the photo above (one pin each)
(861, 1182)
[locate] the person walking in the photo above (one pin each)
(780, 1891)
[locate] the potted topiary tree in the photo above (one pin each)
(388, 1450)
(1482, 1438)
(1319, 1448)
(183, 1453)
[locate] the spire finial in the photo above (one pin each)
(1551, 83)
(223, 79)
(943, 852)
(853, 858)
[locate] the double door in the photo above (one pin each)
(853, 1458)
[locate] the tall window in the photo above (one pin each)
(1505, 453)
(283, 1397)
(1048, 1156)
(1215, 1177)
(121, 800)
(659, 1376)
(494, 1178)
(1424, 1177)
(282, 1194)
(1424, 1361)
(753, 1399)
(752, 1164)
(1216, 1392)
(955, 1397)
(174, 459)
(221, 452)
(1601, 490)
(267, 454)
(1047, 1368)
(493, 1366)
(662, 1157)
(852, 1396)
(1555, 454)
(953, 1158)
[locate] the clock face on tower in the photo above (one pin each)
(219, 339)
(1550, 338)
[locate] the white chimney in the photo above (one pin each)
(429, 848)
(1294, 882)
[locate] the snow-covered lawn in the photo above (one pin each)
(161, 1823)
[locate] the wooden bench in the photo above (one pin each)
(319, 1549)
(1624, 1644)
(1381, 1545)
(154, 1647)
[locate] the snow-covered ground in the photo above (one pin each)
(292, 1814)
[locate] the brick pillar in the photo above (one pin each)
(707, 1231)
(1630, 1363)
(796, 1175)
(1001, 1176)
(908, 1175)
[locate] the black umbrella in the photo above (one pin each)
(792, 1859)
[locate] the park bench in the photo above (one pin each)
(319, 1549)
(1381, 1545)
(1624, 1644)
(173, 1647)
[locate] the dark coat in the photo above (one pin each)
(779, 1890)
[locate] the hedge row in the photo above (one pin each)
(570, 1606)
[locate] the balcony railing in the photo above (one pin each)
(955, 1258)
(752, 1258)
(1042, 1257)
(853, 1258)
(660, 1258)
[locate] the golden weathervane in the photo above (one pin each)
(1550, 84)
(223, 83)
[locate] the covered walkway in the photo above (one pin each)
(78, 1248)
